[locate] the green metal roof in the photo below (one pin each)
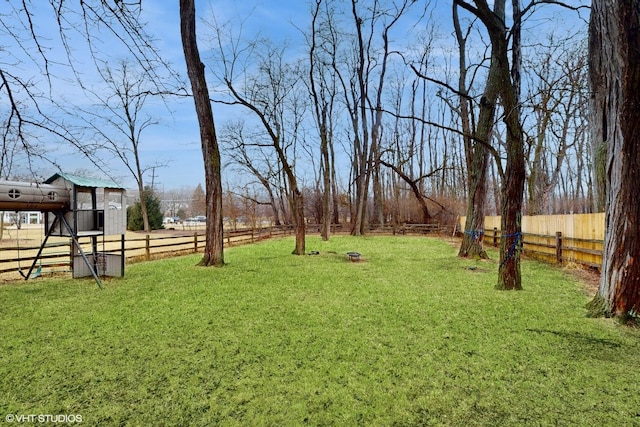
(83, 181)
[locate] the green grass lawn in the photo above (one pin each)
(411, 335)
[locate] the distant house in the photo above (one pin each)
(29, 217)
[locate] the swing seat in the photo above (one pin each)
(33, 275)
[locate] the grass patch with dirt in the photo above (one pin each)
(410, 335)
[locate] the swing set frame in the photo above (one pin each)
(59, 220)
(24, 275)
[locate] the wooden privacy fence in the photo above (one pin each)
(558, 239)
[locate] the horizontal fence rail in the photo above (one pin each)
(57, 253)
(56, 256)
(561, 246)
(556, 249)
(559, 239)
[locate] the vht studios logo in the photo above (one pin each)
(43, 418)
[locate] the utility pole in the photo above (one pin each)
(153, 178)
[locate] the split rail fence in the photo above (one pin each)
(56, 254)
(560, 239)
(554, 238)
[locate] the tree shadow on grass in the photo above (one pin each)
(584, 345)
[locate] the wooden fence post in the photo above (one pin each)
(147, 248)
(195, 242)
(495, 237)
(559, 247)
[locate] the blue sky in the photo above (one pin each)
(175, 141)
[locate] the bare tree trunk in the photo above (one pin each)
(496, 184)
(300, 231)
(322, 96)
(274, 207)
(213, 252)
(373, 165)
(477, 156)
(473, 236)
(370, 104)
(326, 194)
(509, 275)
(378, 196)
(334, 193)
(615, 82)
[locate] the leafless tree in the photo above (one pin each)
(557, 93)
(506, 84)
(476, 137)
(213, 252)
(119, 119)
(37, 107)
(506, 78)
(269, 88)
(362, 75)
(253, 158)
(323, 88)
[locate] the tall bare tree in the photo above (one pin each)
(476, 138)
(213, 252)
(363, 89)
(323, 90)
(271, 92)
(614, 61)
(509, 274)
